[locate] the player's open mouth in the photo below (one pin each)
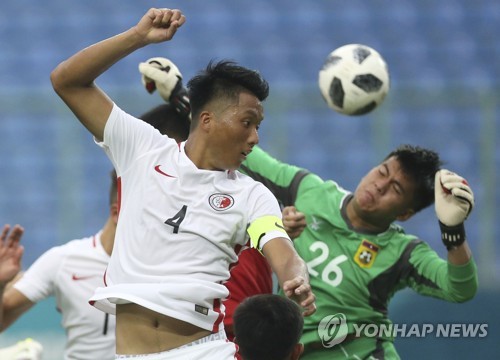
(245, 153)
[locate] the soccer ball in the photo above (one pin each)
(354, 79)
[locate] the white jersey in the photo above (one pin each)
(71, 272)
(179, 228)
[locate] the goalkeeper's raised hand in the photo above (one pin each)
(162, 74)
(454, 201)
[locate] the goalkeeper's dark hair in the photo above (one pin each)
(169, 121)
(267, 327)
(223, 79)
(421, 165)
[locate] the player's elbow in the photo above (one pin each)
(65, 82)
(465, 294)
(58, 79)
(463, 299)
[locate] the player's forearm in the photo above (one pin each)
(13, 305)
(460, 255)
(293, 267)
(81, 69)
(434, 276)
(284, 260)
(294, 280)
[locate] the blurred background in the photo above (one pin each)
(444, 61)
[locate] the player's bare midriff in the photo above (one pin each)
(143, 331)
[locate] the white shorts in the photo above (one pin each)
(212, 347)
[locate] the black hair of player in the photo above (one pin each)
(224, 79)
(421, 165)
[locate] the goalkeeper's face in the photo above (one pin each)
(385, 194)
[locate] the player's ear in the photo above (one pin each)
(297, 351)
(205, 120)
(406, 215)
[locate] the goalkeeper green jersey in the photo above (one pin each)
(355, 272)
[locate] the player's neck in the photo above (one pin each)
(197, 150)
(363, 222)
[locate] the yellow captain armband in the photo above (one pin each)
(264, 229)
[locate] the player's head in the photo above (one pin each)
(226, 112)
(222, 82)
(400, 186)
(268, 327)
(420, 165)
(167, 119)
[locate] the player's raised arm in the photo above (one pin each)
(73, 79)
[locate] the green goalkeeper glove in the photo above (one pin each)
(454, 201)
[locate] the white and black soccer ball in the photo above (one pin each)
(354, 79)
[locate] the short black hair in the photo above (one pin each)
(267, 327)
(421, 165)
(224, 79)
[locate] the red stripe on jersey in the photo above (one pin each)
(237, 355)
(219, 318)
(93, 241)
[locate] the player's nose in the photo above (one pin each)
(253, 139)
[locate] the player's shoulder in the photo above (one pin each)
(77, 245)
(241, 177)
(58, 255)
(249, 184)
(119, 117)
(312, 186)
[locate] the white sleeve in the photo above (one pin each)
(39, 281)
(126, 138)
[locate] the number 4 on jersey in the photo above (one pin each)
(176, 220)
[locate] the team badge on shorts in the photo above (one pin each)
(221, 202)
(366, 254)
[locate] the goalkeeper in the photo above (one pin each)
(358, 257)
